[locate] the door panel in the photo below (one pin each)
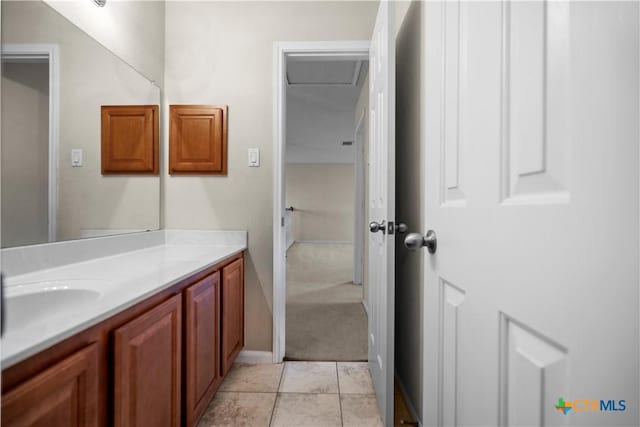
(147, 368)
(533, 367)
(452, 189)
(531, 151)
(202, 341)
(535, 104)
(382, 207)
(232, 312)
(451, 300)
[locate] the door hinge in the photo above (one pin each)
(281, 221)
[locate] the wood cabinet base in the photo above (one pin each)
(158, 363)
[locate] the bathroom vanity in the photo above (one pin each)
(151, 349)
(131, 329)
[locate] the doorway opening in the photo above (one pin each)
(324, 192)
(30, 140)
(319, 298)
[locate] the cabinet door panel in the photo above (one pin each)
(202, 333)
(232, 312)
(65, 394)
(198, 139)
(147, 368)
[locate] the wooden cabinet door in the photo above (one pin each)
(129, 139)
(202, 340)
(198, 139)
(64, 395)
(232, 312)
(147, 368)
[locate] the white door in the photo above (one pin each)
(531, 127)
(382, 207)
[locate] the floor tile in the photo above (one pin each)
(239, 409)
(354, 378)
(264, 377)
(359, 410)
(309, 377)
(307, 410)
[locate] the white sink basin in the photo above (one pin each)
(31, 303)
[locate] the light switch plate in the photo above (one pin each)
(76, 157)
(254, 157)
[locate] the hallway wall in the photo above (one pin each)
(323, 198)
(222, 53)
(409, 198)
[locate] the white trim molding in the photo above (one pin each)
(359, 208)
(281, 50)
(45, 52)
(252, 356)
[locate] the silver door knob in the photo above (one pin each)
(401, 228)
(374, 227)
(415, 241)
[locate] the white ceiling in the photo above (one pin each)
(321, 109)
(330, 72)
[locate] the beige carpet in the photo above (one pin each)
(325, 317)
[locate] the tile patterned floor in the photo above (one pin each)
(301, 394)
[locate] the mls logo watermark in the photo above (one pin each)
(590, 405)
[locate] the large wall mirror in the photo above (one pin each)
(55, 78)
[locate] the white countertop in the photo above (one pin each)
(122, 280)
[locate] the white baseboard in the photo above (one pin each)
(252, 356)
(366, 309)
(412, 408)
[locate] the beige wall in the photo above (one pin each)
(90, 76)
(25, 153)
(323, 198)
(222, 53)
(133, 30)
(409, 197)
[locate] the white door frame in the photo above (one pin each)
(331, 49)
(48, 52)
(359, 208)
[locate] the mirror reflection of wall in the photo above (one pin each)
(54, 80)
(25, 152)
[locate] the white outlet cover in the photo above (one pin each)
(254, 157)
(76, 157)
